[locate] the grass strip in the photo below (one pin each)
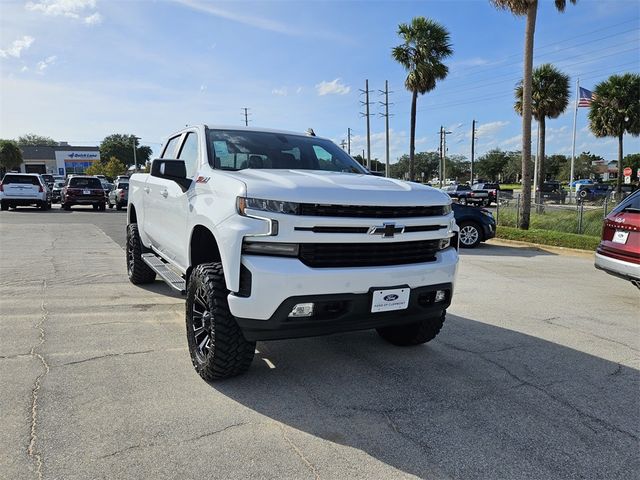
(549, 237)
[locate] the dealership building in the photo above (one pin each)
(60, 159)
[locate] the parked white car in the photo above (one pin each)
(276, 235)
(24, 189)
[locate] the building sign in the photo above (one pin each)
(74, 161)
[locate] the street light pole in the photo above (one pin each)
(135, 158)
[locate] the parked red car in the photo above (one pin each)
(619, 249)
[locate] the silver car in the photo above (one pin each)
(119, 196)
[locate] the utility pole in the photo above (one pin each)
(366, 114)
(473, 144)
(246, 116)
(385, 104)
(444, 153)
(440, 151)
(349, 141)
(135, 158)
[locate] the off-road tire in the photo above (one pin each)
(229, 353)
(413, 333)
(138, 271)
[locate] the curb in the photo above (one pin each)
(573, 252)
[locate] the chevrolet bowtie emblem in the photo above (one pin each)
(387, 230)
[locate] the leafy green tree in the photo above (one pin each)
(582, 166)
(121, 146)
(555, 164)
(615, 110)
(10, 155)
(458, 168)
(426, 45)
(425, 166)
(549, 99)
(492, 164)
(31, 139)
(96, 169)
(114, 167)
(528, 8)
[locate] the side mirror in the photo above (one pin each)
(174, 170)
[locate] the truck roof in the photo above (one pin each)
(257, 129)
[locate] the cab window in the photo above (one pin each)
(170, 149)
(189, 153)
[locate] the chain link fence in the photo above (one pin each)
(582, 218)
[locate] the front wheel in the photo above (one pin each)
(138, 271)
(413, 333)
(217, 346)
(470, 235)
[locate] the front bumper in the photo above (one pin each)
(342, 313)
(277, 279)
(619, 268)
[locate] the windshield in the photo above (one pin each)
(238, 150)
(79, 182)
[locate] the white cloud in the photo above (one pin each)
(332, 88)
(490, 129)
(76, 9)
(94, 19)
(281, 92)
(44, 64)
(16, 48)
(299, 90)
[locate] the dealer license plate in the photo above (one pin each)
(392, 299)
(620, 237)
(86, 192)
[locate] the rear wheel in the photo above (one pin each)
(101, 207)
(217, 346)
(138, 271)
(66, 206)
(470, 236)
(413, 333)
(118, 206)
(43, 205)
(4, 206)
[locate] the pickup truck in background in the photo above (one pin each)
(466, 195)
(592, 191)
(551, 190)
(493, 189)
(275, 235)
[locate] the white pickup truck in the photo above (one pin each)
(275, 235)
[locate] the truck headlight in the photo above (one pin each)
(262, 205)
(271, 248)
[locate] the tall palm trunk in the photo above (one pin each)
(525, 211)
(541, 153)
(619, 179)
(412, 140)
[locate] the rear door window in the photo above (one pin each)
(20, 179)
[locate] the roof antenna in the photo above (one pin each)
(310, 132)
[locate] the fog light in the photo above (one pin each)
(440, 296)
(302, 310)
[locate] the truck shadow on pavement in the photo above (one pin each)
(488, 249)
(478, 402)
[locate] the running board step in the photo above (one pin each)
(170, 277)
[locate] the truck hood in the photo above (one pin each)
(314, 186)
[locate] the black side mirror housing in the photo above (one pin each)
(174, 170)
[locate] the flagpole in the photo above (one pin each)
(573, 143)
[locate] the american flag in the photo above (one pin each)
(584, 100)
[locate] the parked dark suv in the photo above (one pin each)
(551, 190)
(83, 190)
(619, 250)
(476, 224)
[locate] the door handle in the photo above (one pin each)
(164, 193)
(147, 189)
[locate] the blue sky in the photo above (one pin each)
(78, 70)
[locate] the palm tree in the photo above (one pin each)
(530, 9)
(426, 45)
(549, 99)
(615, 110)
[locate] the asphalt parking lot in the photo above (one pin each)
(535, 375)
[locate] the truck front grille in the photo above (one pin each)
(366, 211)
(337, 255)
